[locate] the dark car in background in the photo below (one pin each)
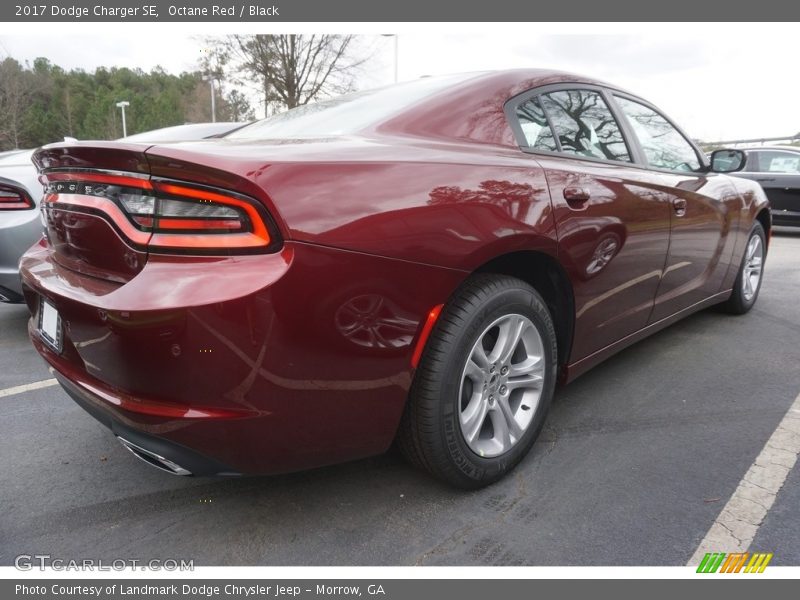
(420, 263)
(777, 170)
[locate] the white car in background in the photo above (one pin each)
(20, 226)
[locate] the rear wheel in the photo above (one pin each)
(751, 270)
(484, 384)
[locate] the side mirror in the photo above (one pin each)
(728, 160)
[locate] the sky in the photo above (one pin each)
(714, 87)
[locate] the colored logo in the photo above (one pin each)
(736, 562)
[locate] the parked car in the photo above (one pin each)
(20, 194)
(777, 169)
(20, 224)
(419, 263)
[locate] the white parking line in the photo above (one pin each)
(37, 385)
(738, 522)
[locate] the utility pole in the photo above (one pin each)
(122, 105)
(396, 54)
(210, 79)
(396, 51)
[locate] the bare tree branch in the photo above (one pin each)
(291, 70)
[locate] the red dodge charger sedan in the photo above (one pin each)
(420, 263)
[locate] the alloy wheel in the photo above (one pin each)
(753, 265)
(501, 385)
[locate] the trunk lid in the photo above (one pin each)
(85, 231)
(107, 206)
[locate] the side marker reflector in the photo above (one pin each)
(430, 321)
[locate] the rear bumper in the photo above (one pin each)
(143, 444)
(238, 364)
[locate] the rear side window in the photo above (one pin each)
(584, 125)
(535, 127)
(663, 145)
(774, 161)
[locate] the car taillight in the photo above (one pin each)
(13, 199)
(163, 214)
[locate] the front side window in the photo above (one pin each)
(773, 161)
(663, 145)
(584, 125)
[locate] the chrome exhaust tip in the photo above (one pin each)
(153, 459)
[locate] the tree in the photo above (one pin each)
(15, 92)
(42, 103)
(230, 105)
(46, 108)
(235, 107)
(289, 70)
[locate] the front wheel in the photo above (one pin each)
(751, 271)
(484, 385)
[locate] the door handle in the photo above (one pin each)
(679, 204)
(765, 179)
(576, 195)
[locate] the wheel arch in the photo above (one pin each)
(765, 218)
(548, 277)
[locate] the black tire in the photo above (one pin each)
(738, 304)
(430, 433)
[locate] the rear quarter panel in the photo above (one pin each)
(450, 205)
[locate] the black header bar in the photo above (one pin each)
(463, 11)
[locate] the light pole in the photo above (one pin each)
(396, 51)
(122, 105)
(396, 54)
(210, 79)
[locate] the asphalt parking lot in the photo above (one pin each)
(636, 462)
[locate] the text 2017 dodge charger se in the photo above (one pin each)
(418, 263)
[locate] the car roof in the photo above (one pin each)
(775, 147)
(463, 107)
(473, 109)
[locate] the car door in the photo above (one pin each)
(704, 210)
(612, 218)
(778, 172)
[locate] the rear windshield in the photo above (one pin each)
(347, 114)
(183, 133)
